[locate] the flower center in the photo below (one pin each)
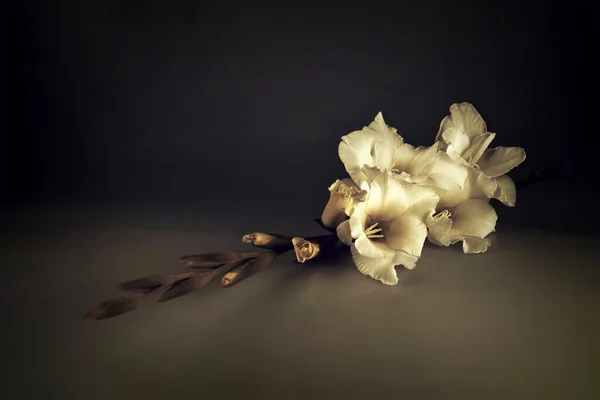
(373, 232)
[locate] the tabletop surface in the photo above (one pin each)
(520, 321)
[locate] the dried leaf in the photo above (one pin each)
(113, 307)
(152, 282)
(214, 260)
(249, 268)
(193, 283)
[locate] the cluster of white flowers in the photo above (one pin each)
(398, 195)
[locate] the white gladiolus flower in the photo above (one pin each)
(373, 146)
(379, 146)
(464, 137)
(388, 228)
(471, 221)
(428, 166)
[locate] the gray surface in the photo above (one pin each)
(520, 321)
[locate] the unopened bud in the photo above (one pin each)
(304, 249)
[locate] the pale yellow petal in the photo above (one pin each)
(506, 191)
(464, 117)
(401, 197)
(406, 233)
(357, 220)
(381, 269)
(344, 233)
(476, 186)
(498, 161)
(423, 160)
(403, 156)
(355, 152)
(478, 145)
(475, 218)
(439, 229)
(446, 173)
(457, 139)
(475, 245)
(371, 248)
(405, 259)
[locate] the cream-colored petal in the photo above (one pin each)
(386, 142)
(446, 173)
(423, 160)
(405, 259)
(355, 152)
(475, 218)
(506, 191)
(475, 245)
(498, 161)
(476, 186)
(464, 117)
(372, 249)
(357, 220)
(381, 269)
(406, 233)
(403, 156)
(383, 155)
(376, 194)
(334, 211)
(478, 145)
(439, 229)
(344, 233)
(401, 197)
(457, 139)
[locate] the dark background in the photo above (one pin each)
(141, 131)
(177, 101)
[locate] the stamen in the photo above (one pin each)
(372, 231)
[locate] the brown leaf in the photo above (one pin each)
(193, 283)
(152, 282)
(213, 260)
(113, 307)
(249, 268)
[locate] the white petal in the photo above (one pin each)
(464, 117)
(402, 197)
(355, 152)
(423, 159)
(506, 191)
(343, 233)
(478, 145)
(357, 220)
(387, 141)
(403, 156)
(405, 259)
(439, 229)
(376, 197)
(474, 218)
(498, 161)
(446, 173)
(372, 249)
(476, 186)
(383, 155)
(475, 245)
(406, 233)
(457, 138)
(381, 269)
(482, 187)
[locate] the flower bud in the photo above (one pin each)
(267, 241)
(344, 194)
(304, 249)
